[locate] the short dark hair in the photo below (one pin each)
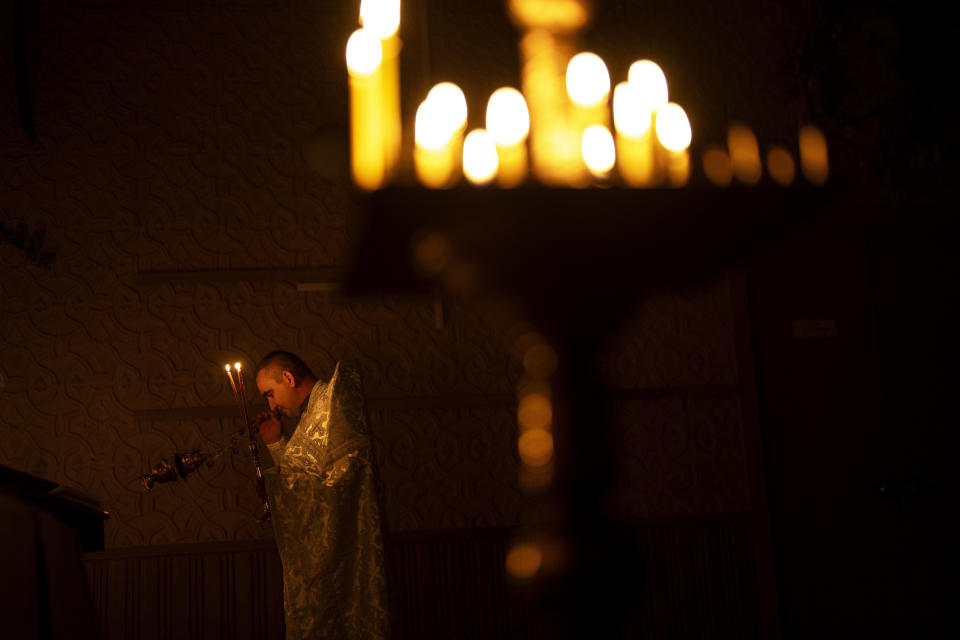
(279, 361)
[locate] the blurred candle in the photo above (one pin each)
(780, 166)
(556, 16)
(554, 143)
(451, 107)
(382, 18)
(549, 31)
(480, 160)
(508, 123)
(438, 135)
(433, 154)
(634, 145)
(650, 83)
(813, 155)
(588, 86)
(675, 134)
(744, 154)
(717, 166)
(599, 152)
(367, 160)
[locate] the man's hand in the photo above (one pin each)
(269, 427)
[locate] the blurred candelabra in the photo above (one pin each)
(564, 126)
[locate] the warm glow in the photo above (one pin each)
(524, 560)
(363, 52)
(432, 254)
(526, 339)
(236, 366)
(780, 166)
(678, 168)
(649, 78)
(554, 145)
(744, 154)
(599, 152)
(508, 120)
(480, 160)
(552, 15)
(540, 360)
(535, 447)
(631, 116)
(588, 81)
(717, 166)
(429, 131)
(535, 411)
(381, 17)
(813, 155)
(450, 106)
(673, 127)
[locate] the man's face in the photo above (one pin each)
(279, 394)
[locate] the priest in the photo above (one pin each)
(324, 501)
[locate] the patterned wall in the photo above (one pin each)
(182, 182)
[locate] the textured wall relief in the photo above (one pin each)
(175, 173)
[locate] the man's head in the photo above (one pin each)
(285, 381)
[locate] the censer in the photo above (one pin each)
(185, 463)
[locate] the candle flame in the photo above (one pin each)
(588, 81)
(480, 161)
(631, 115)
(650, 80)
(598, 149)
(450, 105)
(382, 17)
(744, 154)
(508, 119)
(524, 560)
(673, 127)
(227, 368)
(364, 52)
(236, 366)
(813, 155)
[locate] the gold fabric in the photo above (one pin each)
(327, 519)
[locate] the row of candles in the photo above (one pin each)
(563, 134)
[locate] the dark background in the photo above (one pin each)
(174, 194)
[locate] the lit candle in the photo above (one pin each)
(599, 152)
(554, 142)
(632, 119)
(438, 136)
(549, 31)
(780, 166)
(508, 123)
(588, 86)
(243, 393)
(744, 154)
(558, 16)
(367, 157)
(480, 161)
(674, 133)
(236, 394)
(646, 78)
(813, 155)
(717, 166)
(382, 18)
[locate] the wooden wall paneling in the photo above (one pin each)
(699, 580)
(231, 590)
